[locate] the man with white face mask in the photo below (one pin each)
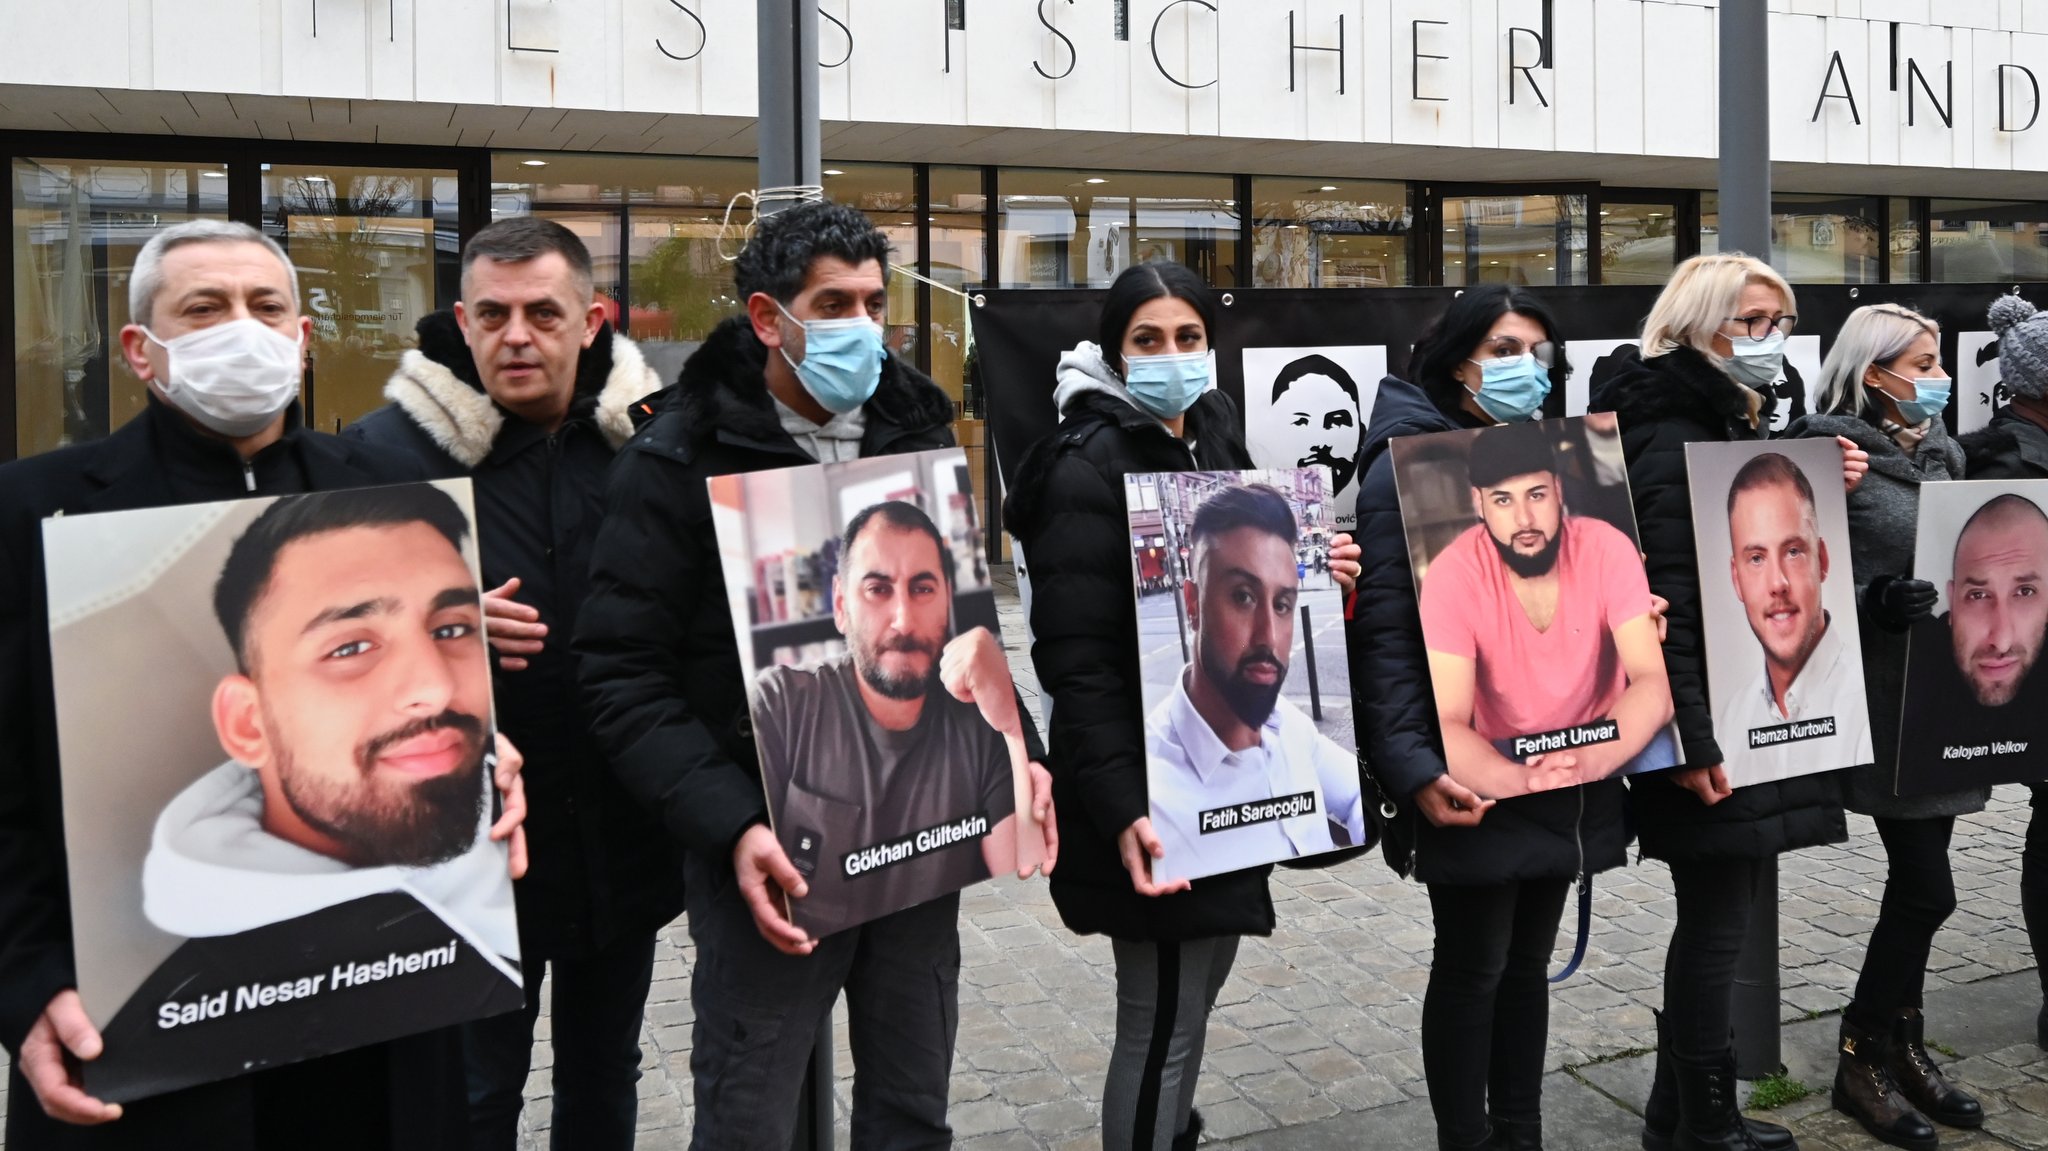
(219, 340)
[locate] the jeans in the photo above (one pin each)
(759, 1010)
(597, 1003)
(1919, 896)
(1715, 899)
(1486, 1015)
(1164, 993)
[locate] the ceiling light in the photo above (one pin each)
(1291, 227)
(1096, 180)
(534, 163)
(834, 172)
(1327, 188)
(214, 175)
(1603, 211)
(318, 180)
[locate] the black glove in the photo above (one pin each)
(1895, 602)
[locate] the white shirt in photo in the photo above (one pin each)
(1830, 686)
(1191, 771)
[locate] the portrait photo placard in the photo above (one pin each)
(891, 744)
(275, 731)
(1778, 606)
(1536, 613)
(1250, 752)
(1976, 701)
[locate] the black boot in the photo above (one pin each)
(1864, 1091)
(1443, 1142)
(1517, 1135)
(1920, 1081)
(1660, 1110)
(1186, 1140)
(1708, 1118)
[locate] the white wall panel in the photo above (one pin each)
(841, 47)
(651, 33)
(43, 43)
(1254, 71)
(1925, 141)
(2029, 148)
(461, 67)
(1486, 57)
(1797, 42)
(1525, 120)
(214, 47)
(1003, 38)
(1444, 116)
(1882, 111)
(1680, 89)
(1618, 79)
(391, 50)
(898, 71)
(325, 49)
(1571, 89)
(1983, 145)
(1328, 113)
(1096, 95)
(730, 69)
(1376, 70)
(1848, 142)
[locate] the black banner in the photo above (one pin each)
(1020, 334)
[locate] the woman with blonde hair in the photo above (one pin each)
(1712, 347)
(1883, 387)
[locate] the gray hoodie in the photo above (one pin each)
(1083, 370)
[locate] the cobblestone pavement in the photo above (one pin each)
(1320, 1022)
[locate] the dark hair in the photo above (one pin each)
(1139, 285)
(1314, 366)
(1258, 506)
(246, 574)
(903, 517)
(778, 259)
(1449, 341)
(1770, 468)
(1506, 450)
(517, 239)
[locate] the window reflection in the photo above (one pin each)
(1979, 241)
(1515, 240)
(1815, 239)
(1062, 229)
(1638, 242)
(1309, 233)
(77, 227)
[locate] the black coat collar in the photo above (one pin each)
(128, 469)
(1680, 384)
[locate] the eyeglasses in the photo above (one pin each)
(1758, 327)
(1508, 347)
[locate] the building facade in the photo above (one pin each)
(1001, 143)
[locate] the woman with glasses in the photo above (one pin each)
(1883, 387)
(1498, 872)
(1711, 348)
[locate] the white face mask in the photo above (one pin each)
(233, 377)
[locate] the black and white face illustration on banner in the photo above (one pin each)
(1309, 406)
(1980, 388)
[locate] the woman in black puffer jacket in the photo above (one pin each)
(1696, 380)
(1137, 401)
(1498, 872)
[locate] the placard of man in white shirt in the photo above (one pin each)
(1804, 710)
(1239, 776)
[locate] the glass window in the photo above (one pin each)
(77, 227)
(1904, 249)
(1508, 239)
(1638, 242)
(1815, 239)
(1987, 241)
(1062, 229)
(376, 249)
(1310, 233)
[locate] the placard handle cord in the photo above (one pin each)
(1585, 928)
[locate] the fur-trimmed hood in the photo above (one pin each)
(723, 391)
(437, 387)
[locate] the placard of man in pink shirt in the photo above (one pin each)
(1543, 649)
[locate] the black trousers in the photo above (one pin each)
(2034, 881)
(1486, 1015)
(598, 1001)
(758, 1011)
(1919, 896)
(1715, 900)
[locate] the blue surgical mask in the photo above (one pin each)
(842, 362)
(1758, 363)
(1511, 388)
(1167, 386)
(1930, 397)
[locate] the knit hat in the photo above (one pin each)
(2022, 346)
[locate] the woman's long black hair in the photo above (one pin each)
(1137, 286)
(1448, 341)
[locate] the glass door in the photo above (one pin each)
(1511, 235)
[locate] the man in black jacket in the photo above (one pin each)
(800, 378)
(215, 427)
(526, 390)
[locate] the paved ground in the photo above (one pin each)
(1315, 1042)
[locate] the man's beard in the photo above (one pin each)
(1341, 469)
(1999, 694)
(1252, 703)
(1530, 566)
(906, 686)
(381, 823)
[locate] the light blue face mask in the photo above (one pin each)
(1167, 386)
(1511, 388)
(842, 362)
(1758, 363)
(1930, 397)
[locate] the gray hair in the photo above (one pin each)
(147, 278)
(1873, 334)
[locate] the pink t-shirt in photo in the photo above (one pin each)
(1531, 681)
